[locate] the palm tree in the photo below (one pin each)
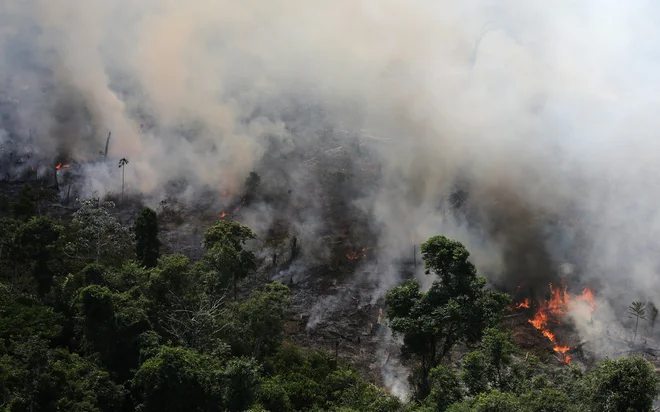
(638, 311)
(122, 163)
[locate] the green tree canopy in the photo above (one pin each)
(259, 327)
(178, 379)
(36, 245)
(445, 388)
(147, 245)
(33, 377)
(227, 256)
(623, 385)
(457, 308)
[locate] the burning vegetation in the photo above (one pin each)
(357, 254)
(550, 313)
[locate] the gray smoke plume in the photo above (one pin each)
(523, 129)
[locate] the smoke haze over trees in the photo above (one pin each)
(345, 133)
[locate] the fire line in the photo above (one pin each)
(551, 311)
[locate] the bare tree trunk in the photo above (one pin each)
(414, 256)
(636, 323)
(107, 143)
(122, 185)
(98, 245)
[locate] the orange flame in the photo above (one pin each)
(225, 214)
(551, 310)
(524, 304)
(587, 296)
(61, 166)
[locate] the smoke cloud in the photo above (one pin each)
(524, 129)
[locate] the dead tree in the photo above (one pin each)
(122, 165)
(107, 144)
(653, 313)
(197, 324)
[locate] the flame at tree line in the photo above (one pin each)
(225, 214)
(551, 311)
(61, 166)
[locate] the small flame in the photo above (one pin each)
(524, 304)
(236, 209)
(61, 166)
(357, 255)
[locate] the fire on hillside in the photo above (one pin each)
(551, 312)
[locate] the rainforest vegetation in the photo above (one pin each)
(93, 317)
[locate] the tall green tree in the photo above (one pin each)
(498, 347)
(227, 255)
(147, 245)
(624, 385)
(36, 244)
(259, 327)
(474, 372)
(445, 388)
(457, 308)
(112, 324)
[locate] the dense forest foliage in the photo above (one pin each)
(94, 318)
